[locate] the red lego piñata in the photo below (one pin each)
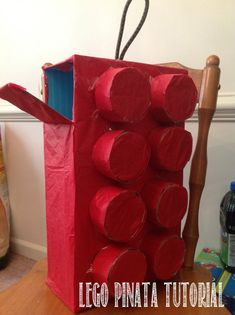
(115, 148)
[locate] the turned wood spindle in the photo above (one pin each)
(44, 83)
(206, 109)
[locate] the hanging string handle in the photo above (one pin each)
(122, 27)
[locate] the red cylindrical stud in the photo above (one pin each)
(118, 213)
(121, 155)
(166, 203)
(171, 148)
(118, 264)
(165, 255)
(173, 97)
(123, 94)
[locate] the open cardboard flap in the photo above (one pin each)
(19, 97)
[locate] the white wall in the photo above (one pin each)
(25, 171)
(220, 172)
(35, 32)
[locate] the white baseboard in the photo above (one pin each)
(28, 249)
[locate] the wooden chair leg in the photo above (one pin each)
(206, 109)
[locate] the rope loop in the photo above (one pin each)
(121, 55)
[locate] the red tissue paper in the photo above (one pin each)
(115, 148)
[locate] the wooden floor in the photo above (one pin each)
(31, 296)
(18, 267)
